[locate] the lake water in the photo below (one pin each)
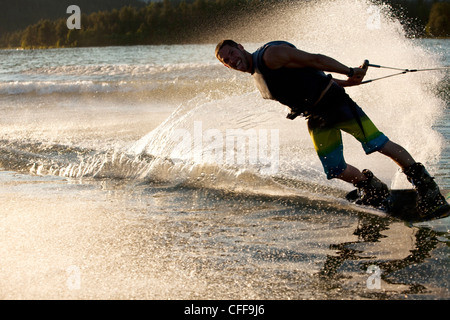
(123, 176)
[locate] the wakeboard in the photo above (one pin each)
(401, 204)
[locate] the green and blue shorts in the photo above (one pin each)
(337, 112)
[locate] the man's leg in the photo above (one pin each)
(398, 154)
(371, 190)
(328, 145)
(352, 175)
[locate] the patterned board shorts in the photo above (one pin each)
(341, 114)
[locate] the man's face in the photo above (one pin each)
(234, 58)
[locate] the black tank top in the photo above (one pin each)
(298, 88)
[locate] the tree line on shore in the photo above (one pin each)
(166, 22)
(439, 21)
(18, 14)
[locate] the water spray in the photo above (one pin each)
(403, 71)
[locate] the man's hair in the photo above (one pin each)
(223, 43)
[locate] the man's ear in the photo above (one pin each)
(240, 47)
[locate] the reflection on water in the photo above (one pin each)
(400, 256)
(294, 244)
(142, 241)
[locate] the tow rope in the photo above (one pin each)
(403, 71)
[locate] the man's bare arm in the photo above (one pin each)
(276, 57)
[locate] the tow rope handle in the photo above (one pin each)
(366, 64)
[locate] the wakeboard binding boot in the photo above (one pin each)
(372, 192)
(431, 204)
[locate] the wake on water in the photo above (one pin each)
(190, 147)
